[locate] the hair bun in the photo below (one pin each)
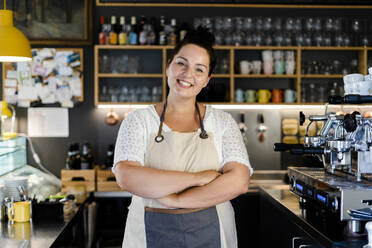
(200, 35)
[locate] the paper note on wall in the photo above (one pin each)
(47, 122)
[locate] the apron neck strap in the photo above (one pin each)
(159, 138)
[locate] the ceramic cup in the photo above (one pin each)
(245, 67)
(277, 96)
(263, 96)
(365, 88)
(268, 67)
(20, 211)
(290, 67)
(250, 96)
(278, 55)
(290, 95)
(257, 65)
(239, 95)
(267, 55)
(279, 67)
(350, 83)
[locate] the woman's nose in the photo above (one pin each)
(187, 72)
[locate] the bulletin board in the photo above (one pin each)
(55, 75)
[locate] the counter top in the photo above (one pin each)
(288, 203)
(39, 233)
(29, 234)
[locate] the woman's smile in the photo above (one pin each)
(184, 84)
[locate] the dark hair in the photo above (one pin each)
(202, 38)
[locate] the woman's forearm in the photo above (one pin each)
(229, 185)
(154, 183)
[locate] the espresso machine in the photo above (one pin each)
(343, 188)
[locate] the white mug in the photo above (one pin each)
(365, 88)
(278, 55)
(257, 66)
(245, 67)
(351, 83)
(267, 55)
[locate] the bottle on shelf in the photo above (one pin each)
(162, 32)
(123, 32)
(73, 157)
(109, 161)
(184, 28)
(86, 157)
(133, 35)
(172, 37)
(151, 33)
(113, 34)
(142, 31)
(102, 35)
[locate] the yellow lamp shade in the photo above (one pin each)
(4, 109)
(14, 46)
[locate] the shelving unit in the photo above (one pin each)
(231, 76)
(231, 80)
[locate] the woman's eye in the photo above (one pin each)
(180, 63)
(199, 70)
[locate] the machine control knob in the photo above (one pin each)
(350, 122)
(334, 204)
(369, 230)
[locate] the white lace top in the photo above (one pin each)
(135, 131)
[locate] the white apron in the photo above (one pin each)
(179, 152)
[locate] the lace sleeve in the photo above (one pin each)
(130, 140)
(233, 148)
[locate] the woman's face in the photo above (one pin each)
(188, 72)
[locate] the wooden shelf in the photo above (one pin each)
(126, 103)
(217, 75)
(232, 5)
(262, 47)
(154, 47)
(127, 75)
(322, 76)
(133, 47)
(263, 76)
(315, 48)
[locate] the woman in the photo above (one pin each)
(182, 161)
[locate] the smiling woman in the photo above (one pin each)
(182, 161)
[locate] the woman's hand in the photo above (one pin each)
(205, 177)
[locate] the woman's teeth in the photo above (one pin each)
(184, 83)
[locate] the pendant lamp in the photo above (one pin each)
(14, 46)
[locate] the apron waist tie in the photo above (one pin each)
(174, 211)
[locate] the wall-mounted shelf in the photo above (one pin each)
(231, 79)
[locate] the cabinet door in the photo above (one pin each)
(277, 230)
(246, 208)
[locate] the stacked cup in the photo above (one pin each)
(268, 64)
(290, 63)
(358, 84)
(279, 64)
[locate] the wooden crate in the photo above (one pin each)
(72, 179)
(106, 181)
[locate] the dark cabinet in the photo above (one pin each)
(277, 229)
